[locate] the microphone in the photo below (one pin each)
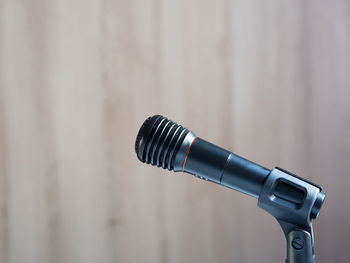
(163, 143)
(292, 200)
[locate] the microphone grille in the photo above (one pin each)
(158, 141)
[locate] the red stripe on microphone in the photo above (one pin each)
(183, 166)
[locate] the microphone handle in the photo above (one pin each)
(223, 167)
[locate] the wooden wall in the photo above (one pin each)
(269, 80)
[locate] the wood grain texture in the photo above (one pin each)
(269, 80)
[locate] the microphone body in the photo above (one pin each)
(166, 144)
(223, 167)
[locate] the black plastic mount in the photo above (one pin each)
(294, 202)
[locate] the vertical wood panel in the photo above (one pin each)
(4, 241)
(26, 160)
(268, 80)
(330, 123)
(77, 98)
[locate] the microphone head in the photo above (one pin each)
(158, 141)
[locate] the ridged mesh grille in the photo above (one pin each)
(158, 141)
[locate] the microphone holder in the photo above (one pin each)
(294, 202)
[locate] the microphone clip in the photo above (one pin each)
(294, 202)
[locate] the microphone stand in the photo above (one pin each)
(294, 217)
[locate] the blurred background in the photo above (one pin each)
(268, 80)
